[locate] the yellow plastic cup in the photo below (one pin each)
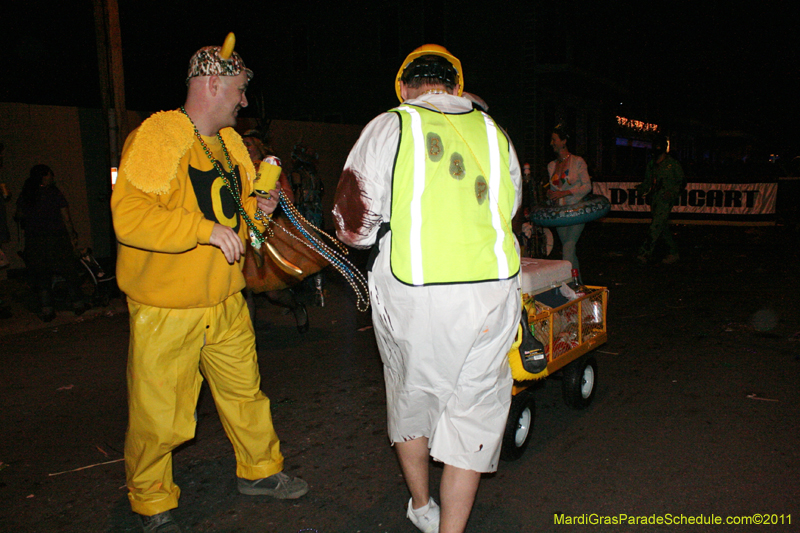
(268, 175)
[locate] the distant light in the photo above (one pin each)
(637, 125)
(113, 177)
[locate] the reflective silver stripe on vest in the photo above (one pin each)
(417, 276)
(494, 195)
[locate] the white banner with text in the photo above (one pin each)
(746, 199)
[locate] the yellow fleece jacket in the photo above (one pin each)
(167, 198)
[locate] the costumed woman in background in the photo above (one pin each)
(569, 183)
(50, 240)
(284, 297)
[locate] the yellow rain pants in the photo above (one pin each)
(167, 351)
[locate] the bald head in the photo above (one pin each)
(213, 102)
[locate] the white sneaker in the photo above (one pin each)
(428, 522)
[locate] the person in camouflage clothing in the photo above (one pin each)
(663, 182)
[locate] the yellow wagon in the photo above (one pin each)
(569, 332)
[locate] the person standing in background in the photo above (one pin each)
(50, 240)
(284, 297)
(5, 235)
(569, 184)
(663, 182)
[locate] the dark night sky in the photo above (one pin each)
(733, 67)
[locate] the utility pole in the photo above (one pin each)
(112, 79)
(114, 113)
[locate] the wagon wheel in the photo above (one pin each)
(580, 382)
(519, 426)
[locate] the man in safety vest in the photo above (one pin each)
(434, 184)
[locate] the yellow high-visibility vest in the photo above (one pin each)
(452, 198)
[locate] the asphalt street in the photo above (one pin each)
(695, 417)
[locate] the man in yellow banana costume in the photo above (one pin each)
(183, 213)
(434, 184)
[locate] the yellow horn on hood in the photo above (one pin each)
(227, 47)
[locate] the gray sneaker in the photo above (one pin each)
(159, 523)
(277, 485)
